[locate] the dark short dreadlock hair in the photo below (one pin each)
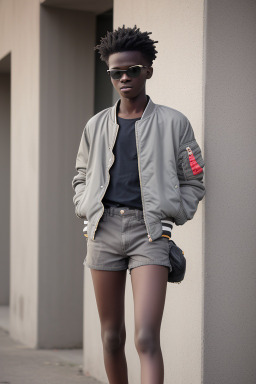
(127, 39)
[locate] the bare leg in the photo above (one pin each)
(109, 290)
(149, 290)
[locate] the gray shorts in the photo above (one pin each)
(121, 242)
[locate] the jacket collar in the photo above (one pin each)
(147, 112)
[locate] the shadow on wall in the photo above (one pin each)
(5, 90)
(103, 97)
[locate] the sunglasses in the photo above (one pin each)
(133, 71)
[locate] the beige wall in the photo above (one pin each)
(19, 34)
(177, 82)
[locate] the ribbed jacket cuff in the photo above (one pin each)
(85, 228)
(167, 226)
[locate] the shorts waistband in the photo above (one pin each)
(124, 211)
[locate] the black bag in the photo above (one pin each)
(178, 263)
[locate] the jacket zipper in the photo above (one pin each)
(108, 176)
(142, 198)
(196, 169)
(189, 151)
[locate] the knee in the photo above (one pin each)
(113, 340)
(147, 341)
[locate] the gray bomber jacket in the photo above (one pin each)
(169, 160)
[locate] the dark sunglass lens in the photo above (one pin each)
(115, 74)
(134, 71)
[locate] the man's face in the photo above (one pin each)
(129, 87)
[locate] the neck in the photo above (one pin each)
(132, 108)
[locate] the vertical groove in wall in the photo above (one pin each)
(204, 202)
(5, 181)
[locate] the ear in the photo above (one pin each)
(149, 73)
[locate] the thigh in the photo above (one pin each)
(149, 290)
(109, 288)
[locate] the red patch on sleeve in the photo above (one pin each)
(196, 169)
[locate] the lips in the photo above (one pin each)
(127, 88)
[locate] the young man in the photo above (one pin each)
(140, 170)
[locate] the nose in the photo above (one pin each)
(124, 77)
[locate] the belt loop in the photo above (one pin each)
(107, 211)
(139, 214)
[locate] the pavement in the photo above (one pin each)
(20, 364)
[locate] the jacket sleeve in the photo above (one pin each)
(79, 181)
(190, 166)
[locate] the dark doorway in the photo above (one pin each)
(103, 97)
(5, 92)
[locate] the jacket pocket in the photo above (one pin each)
(79, 201)
(78, 193)
(77, 210)
(190, 161)
(80, 209)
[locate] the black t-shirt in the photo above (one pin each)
(124, 185)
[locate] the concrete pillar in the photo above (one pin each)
(66, 102)
(52, 71)
(19, 22)
(230, 241)
(5, 186)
